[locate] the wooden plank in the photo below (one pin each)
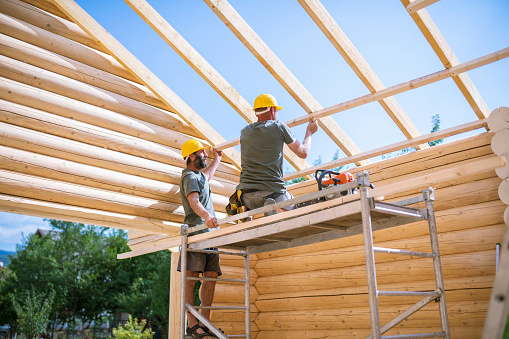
(449, 60)
(39, 57)
(69, 139)
(174, 317)
(403, 87)
(406, 86)
(282, 74)
(203, 68)
(47, 6)
(35, 16)
(149, 79)
(359, 317)
(453, 266)
(416, 5)
(392, 148)
(459, 241)
(60, 105)
(15, 160)
(34, 35)
(55, 191)
(350, 301)
(414, 162)
(344, 46)
(454, 219)
(45, 209)
(22, 72)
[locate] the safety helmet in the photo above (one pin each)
(191, 146)
(265, 100)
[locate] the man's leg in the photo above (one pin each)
(207, 292)
(190, 284)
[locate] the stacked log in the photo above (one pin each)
(80, 135)
(320, 290)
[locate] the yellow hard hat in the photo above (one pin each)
(191, 146)
(265, 100)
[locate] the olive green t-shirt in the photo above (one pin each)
(261, 147)
(190, 182)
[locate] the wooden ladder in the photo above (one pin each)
(374, 293)
(195, 309)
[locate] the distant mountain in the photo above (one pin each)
(4, 256)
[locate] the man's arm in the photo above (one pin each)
(209, 172)
(194, 201)
(302, 150)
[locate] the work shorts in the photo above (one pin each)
(202, 262)
(256, 199)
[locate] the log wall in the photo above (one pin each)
(320, 290)
(80, 137)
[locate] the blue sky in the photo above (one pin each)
(382, 31)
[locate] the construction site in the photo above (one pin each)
(413, 246)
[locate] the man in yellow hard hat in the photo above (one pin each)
(197, 201)
(261, 145)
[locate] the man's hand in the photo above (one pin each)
(217, 154)
(211, 221)
(312, 127)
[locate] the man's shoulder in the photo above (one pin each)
(188, 174)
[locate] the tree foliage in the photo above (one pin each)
(79, 263)
(33, 313)
(133, 330)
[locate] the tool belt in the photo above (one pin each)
(235, 202)
(235, 205)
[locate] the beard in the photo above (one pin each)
(199, 162)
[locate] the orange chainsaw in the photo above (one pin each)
(327, 179)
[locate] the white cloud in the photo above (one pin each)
(13, 226)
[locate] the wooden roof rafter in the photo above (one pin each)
(281, 73)
(338, 38)
(203, 68)
(446, 55)
(140, 71)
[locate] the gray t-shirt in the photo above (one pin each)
(261, 147)
(190, 182)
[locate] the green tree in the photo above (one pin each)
(33, 313)
(435, 122)
(133, 330)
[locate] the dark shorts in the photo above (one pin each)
(202, 262)
(256, 199)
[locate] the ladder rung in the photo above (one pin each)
(402, 252)
(241, 254)
(411, 336)
(217, 279)
(221, 307)
(408, 294)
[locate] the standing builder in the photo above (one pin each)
(261, 145)
(197, 201)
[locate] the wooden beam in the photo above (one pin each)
(174, 317)
(39, 57)
(22, 185)
(47, 6)
(416, 5)
(393, 147)
(74, 89)
(449, 60)
(69, 139)
(39, 37)
(393, 90)
(35, 16)
(282, 74)
(60, 105)
(47, 209)
(149, 79)
(203, 68)
(344, 46)
(30, 163)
